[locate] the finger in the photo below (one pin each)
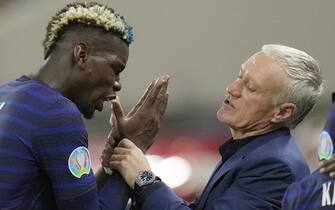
(152, 97)
(328, 169)
(112, 114)
(115, 157)
(115, 165)
(163, 105)
(326, 163)
(322, 164)
(117, 110)
(108, 146)
(126, 143)
(161, 97)
(120, 151)
(105, 157)
(142, 99)
(114, 121)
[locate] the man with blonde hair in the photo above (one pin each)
(45, 162)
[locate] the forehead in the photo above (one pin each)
(112, 46)
(264, 71)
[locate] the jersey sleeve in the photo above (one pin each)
(61, 147)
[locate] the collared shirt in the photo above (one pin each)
(231, 146)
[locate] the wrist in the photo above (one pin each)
(116, 136)
(144, 179)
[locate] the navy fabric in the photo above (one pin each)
(255, 177)
(39, 128)
(316, 191)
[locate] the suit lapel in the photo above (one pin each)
(235, 158)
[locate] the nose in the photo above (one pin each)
(235, 88)
(117, 86)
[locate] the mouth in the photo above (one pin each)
(100, 103)
(109, 97)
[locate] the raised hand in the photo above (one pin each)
(142, 123)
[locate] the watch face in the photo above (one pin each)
(145, 178)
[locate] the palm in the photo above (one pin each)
(142, 123)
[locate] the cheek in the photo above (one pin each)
(257, 110)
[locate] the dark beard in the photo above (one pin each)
(87, 112)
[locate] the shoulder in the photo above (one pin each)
(313, 182)
(264, 165)
(313, 190)
(30, 95)
(281, 152)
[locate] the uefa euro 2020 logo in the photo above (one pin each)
(79, 162)
(325, 148)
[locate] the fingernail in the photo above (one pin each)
(322, 170)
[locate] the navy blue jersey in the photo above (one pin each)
(314, 192)
(317, 191)
(44, 160)
(330, 124)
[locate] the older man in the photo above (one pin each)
(275, 89)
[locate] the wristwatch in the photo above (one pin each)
(145, 178)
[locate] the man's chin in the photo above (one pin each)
(220, 115)
(88, 115)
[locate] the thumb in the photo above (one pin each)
(126, 143)
(118, 110)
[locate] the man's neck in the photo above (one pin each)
(53, 75)
(242, 134)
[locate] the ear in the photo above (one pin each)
(80, 54)
(284, 112)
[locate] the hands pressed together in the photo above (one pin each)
(133, 134)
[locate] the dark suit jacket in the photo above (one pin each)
(255, 177)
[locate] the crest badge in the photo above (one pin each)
(325, 148)
(79, 162)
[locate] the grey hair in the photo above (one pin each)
(304, 85)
